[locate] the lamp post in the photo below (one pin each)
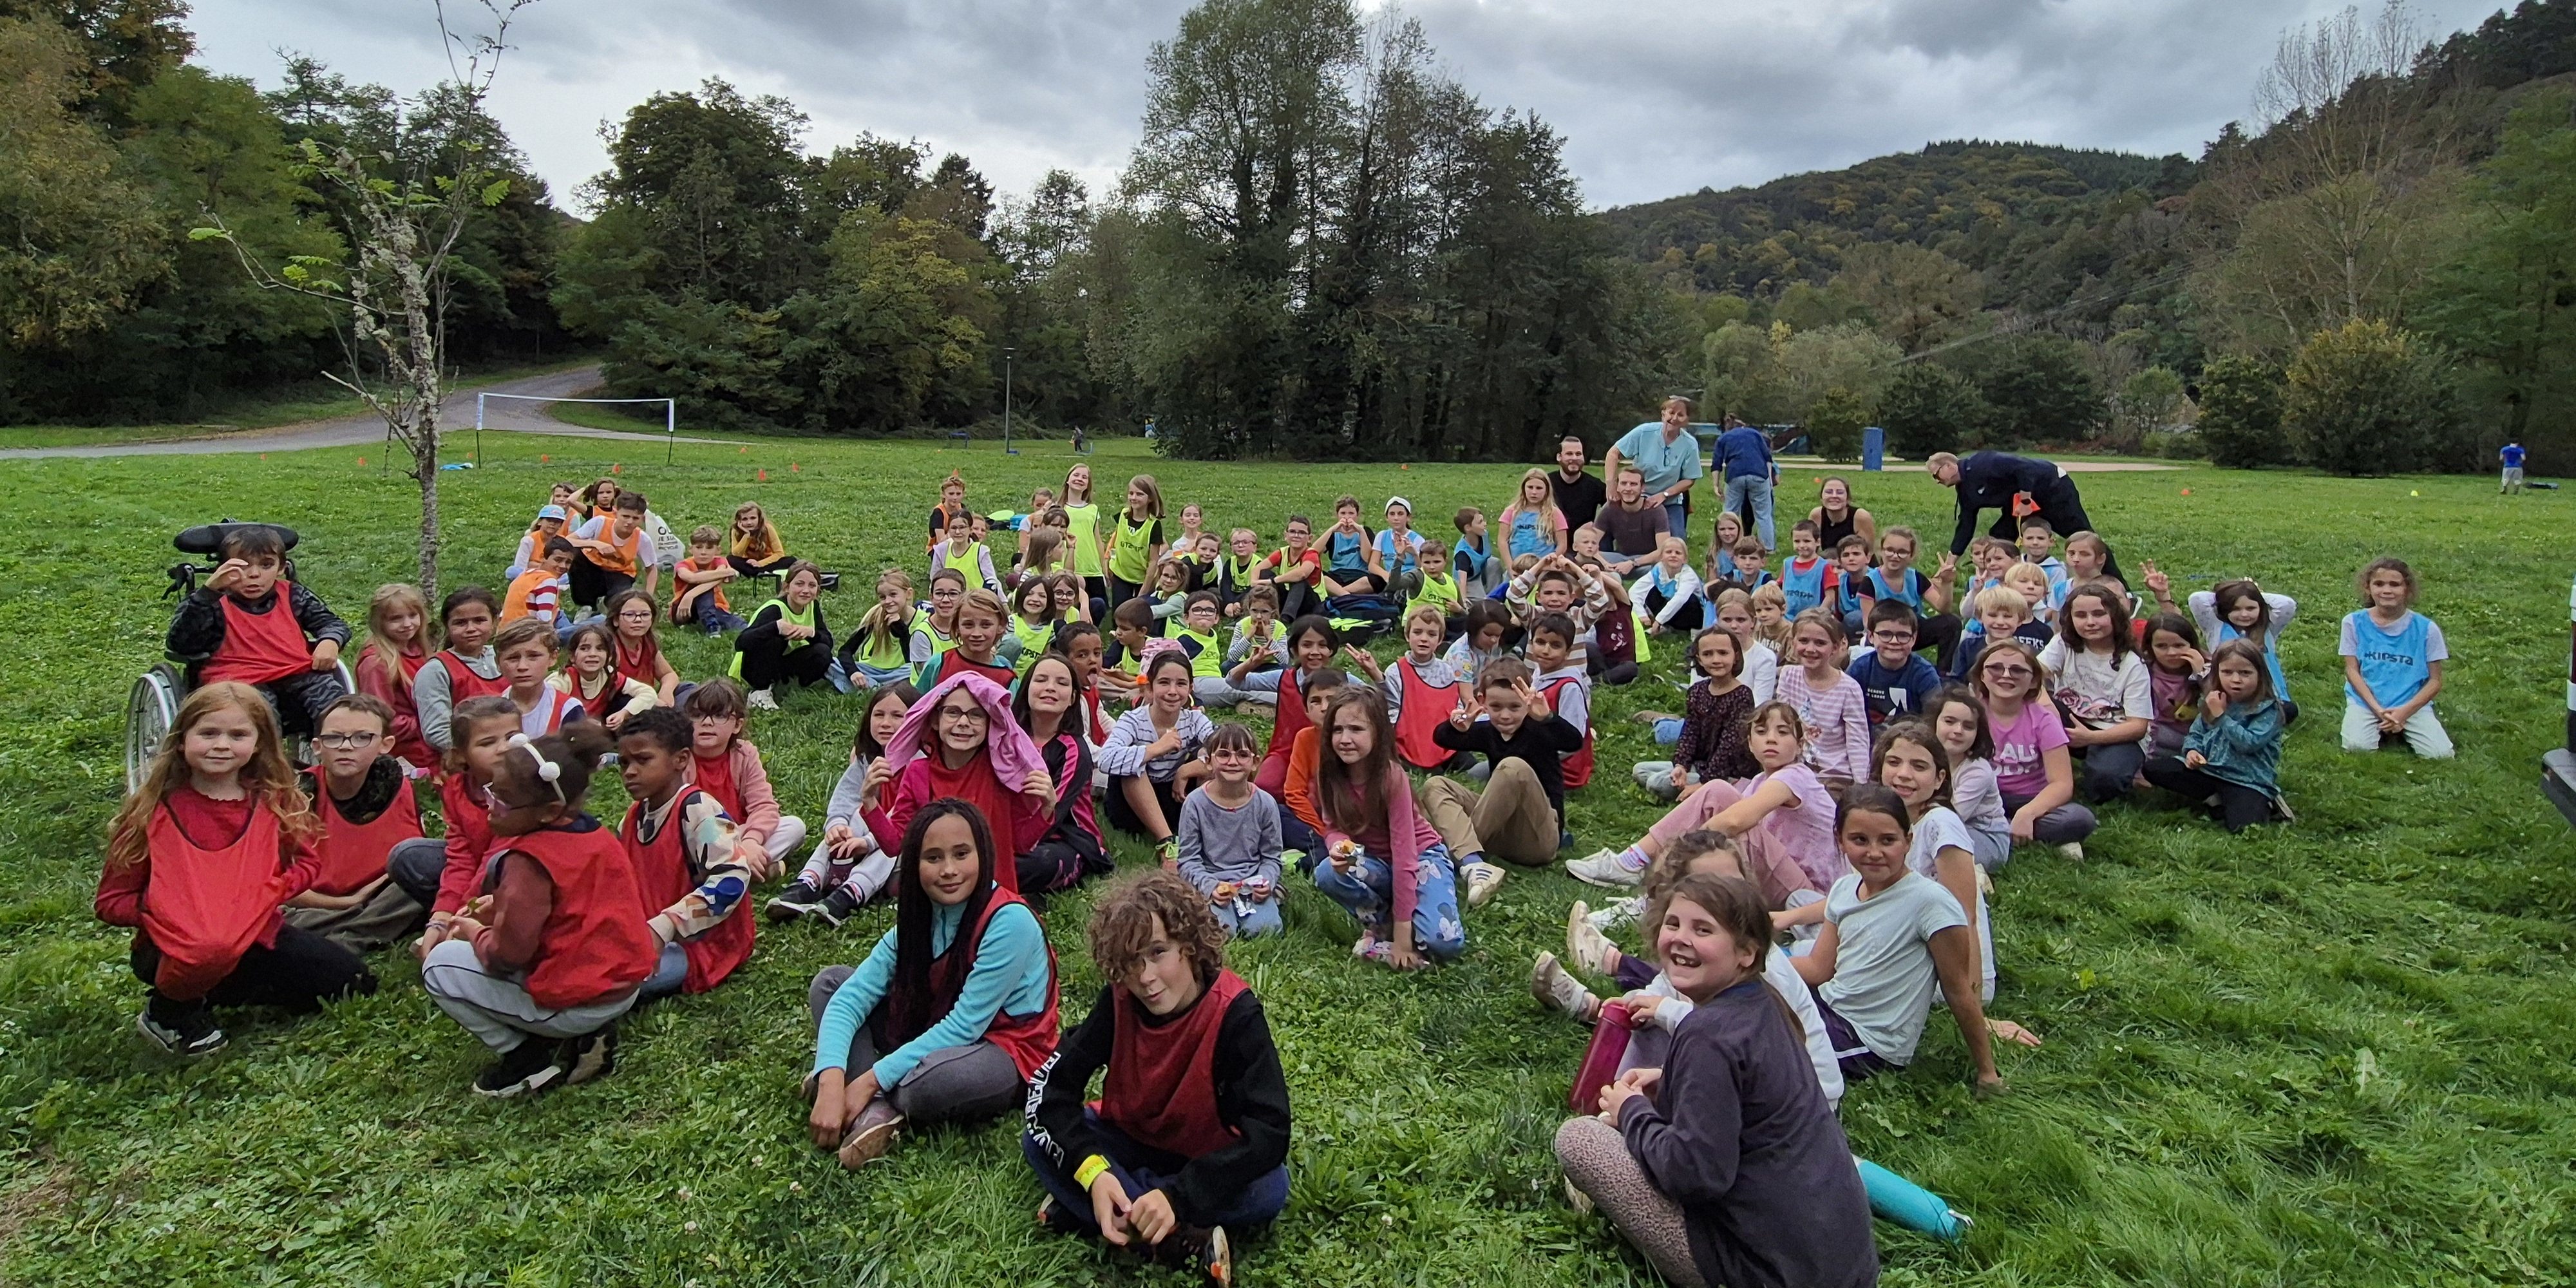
(1007, 449)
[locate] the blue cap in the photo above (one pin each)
(551, 512)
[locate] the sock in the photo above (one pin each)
(1633, 859)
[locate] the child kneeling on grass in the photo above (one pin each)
(1725, 1166)
(379, 873)
(555, 949)
(951, 1013)
(2392, 666)
(692, 875)
(198, 861)
(1190, 1134)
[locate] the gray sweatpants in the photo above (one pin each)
(970, 1082)
(397, 908)
(497, 1008)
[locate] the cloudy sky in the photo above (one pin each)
(1655, 97)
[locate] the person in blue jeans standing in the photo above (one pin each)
(1744, 462)
(1667, 453)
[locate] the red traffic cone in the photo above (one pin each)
(614, 468)
(362, 462)
(793, 467)
(764, 476)
(2186, 491)
(742, 451)
(545, 458)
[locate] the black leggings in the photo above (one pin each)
(298, 974)
(592, 584)
(767, 659)
(2239, 807)
(1123, 816)
(770, 567)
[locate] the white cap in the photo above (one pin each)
(1394, 501)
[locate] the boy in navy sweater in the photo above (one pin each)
(1895, 681)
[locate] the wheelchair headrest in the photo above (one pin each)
(208, 538)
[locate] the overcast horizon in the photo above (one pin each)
(1654, 99)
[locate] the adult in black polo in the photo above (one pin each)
(1990, 481)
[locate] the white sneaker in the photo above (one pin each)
(1482, 880)
(1585, 946)
(2073, 850)
(1559, 991)
(1603, 868)
(759, 700)
(1616, 913)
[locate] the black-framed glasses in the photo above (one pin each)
(344, 741)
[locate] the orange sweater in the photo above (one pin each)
(1302, 757)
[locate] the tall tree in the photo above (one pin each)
(2508, 300)
(82, 237)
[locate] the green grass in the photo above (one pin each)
(315, 400)
(2337, 1053)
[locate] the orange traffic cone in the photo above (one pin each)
(615, 468)
(764, 476)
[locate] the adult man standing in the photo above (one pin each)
(1990, 481)
(1578, 495)
(1667, 453)
(1631, 530)
(1744, 461)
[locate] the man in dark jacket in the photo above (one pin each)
(1990, 481)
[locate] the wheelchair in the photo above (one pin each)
(152, 704)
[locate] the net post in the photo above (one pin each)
(670, 429)
(478, 431)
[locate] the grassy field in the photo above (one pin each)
(317, 400)
(2337, 1053)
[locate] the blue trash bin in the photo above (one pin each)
(1873, 448)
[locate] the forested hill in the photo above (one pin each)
(1978, 202)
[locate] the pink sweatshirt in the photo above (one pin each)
(1399, 837)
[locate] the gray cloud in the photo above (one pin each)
(1655, 97)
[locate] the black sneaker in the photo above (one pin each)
(1204, 1253)
(180, 1029)
(800, 897)
(831, 580)
(838, 906)
(592, 1055)
(525, 1069)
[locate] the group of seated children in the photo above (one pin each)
(1812, 780)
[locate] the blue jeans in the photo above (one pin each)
(1367, 891)
(714, 620)
(1757, 489)
(1259, 1205)
(1677, 517)
(1256, 918)
(671, 971)
(1295, 835)
(1667, 732)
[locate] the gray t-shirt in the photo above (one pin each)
(1940, 829)
(1219, 844)
(1884, 981)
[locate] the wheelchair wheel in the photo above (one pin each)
(151, 706)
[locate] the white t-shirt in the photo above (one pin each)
(646, 554)
(1781, 972)
(1884, 981)
(2095, 692)
(1761, 671)
(1941, 829)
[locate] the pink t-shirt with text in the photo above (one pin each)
(2022, 745)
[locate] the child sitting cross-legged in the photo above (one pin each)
(539, 591)
(1385, 863)
(686, 862)
(727, 766)
(249, 624)
(787, 640)
(1154, 754)
(1229, 837)
(1717, 719)
(1782, 816)
(848, 867)
(379, 874)
(590, 678)
(1189, 1138)
(2233, 752)
(953, 1011)
(198, 860)
(698, 582)
(1520, 815)
(542, 964)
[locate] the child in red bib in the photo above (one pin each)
(1190, 1135)
(687, 866)
(198, 860)
(249, 624)
(543, 962)
(726, 766)
(953, 1011)
(379, 873)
